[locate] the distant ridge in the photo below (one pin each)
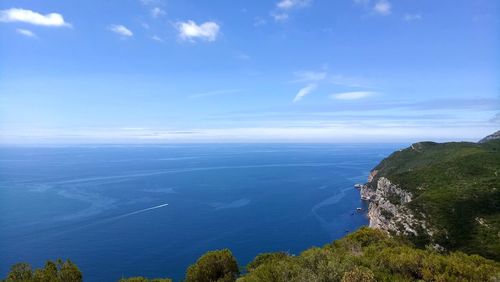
(493, 136)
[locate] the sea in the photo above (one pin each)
(152, 210)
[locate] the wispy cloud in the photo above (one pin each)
(283, 7)
(290, 4)
(215, 93)
(310, 75)
(382, 7)
(156, 38)
(121, 30)
(189, 30)
(304, 92)
(412, 17)
(26, 32)
(258, 21)
(280, 17)
(31, 17)
(356, 95)
(157, 12)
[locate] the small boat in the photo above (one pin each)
(359, 209)
(358, 186)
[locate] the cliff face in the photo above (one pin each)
(387, 209)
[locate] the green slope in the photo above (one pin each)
(457, 186)
(371, 255)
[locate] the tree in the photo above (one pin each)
(59, 271)
(220, 266)
(20, 272)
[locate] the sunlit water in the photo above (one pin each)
(153, 210)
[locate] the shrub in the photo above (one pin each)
(213, 266)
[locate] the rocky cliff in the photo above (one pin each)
(387, 209)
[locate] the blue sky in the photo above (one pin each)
(155, 71)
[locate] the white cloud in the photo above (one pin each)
(121, 30)
(28, 16)
(290, 4)
(304, 91)
(25, 32)
(190, 30)
(157, 12)
(351, 95)
(412, 17)
(382, 7)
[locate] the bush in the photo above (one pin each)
(59, 271)
(213, 266)
(359, 274)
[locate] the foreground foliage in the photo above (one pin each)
(371, 255)
(365, 255)
(214, 266)
(58, 271)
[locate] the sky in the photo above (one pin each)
(172, 71)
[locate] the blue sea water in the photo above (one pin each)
(120, 211)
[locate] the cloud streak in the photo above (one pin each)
(304, 92)
(356, 95)
(26, 32)
(34, 18)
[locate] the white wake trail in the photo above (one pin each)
(139, 211)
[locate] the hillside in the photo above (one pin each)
(447, 195)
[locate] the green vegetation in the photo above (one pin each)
(365, 255)
(215, 266)
(58, 271)
(456, 186)
(371, 255)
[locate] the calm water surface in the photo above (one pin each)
(153, 210)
